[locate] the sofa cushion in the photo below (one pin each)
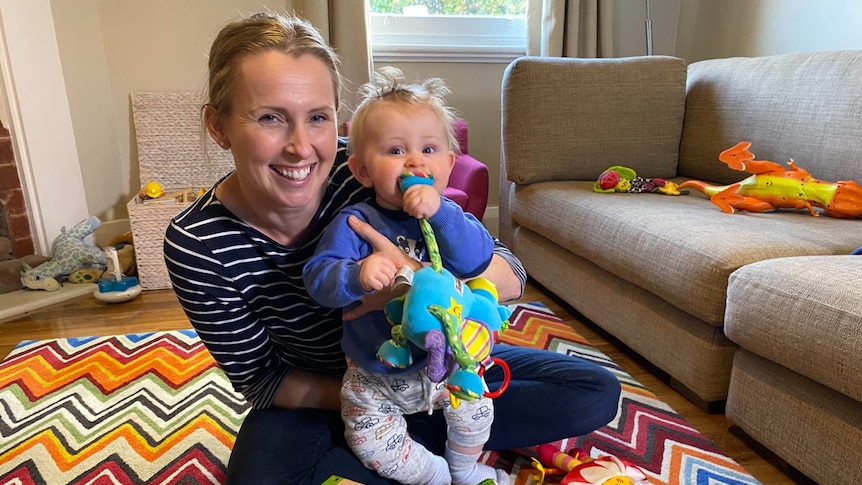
(570, 118)
(681, 248)
(804, 106)
(802, 313)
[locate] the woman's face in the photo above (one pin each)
(281, 129)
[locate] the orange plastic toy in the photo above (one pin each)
(773, 187)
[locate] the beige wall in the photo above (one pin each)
(110, 48)
(710, 29)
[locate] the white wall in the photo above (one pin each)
(38, 117)
(710, 29)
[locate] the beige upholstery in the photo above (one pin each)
(674, 278)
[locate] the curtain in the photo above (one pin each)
(345, 26)
(571, 28)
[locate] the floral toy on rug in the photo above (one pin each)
(456, 323)
(773, 187)
(581, 469)
(70, 253)
(624, 179)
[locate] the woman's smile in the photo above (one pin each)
(294, 174)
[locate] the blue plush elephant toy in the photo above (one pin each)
(456, 323)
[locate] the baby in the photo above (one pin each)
(401, 129)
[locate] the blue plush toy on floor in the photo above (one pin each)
(857, 251)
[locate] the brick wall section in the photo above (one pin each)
(12, 203)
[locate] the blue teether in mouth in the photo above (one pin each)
(408, 179)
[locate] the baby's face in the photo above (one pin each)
(404, 138)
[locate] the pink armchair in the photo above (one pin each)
(469, 182)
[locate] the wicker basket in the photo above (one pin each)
(170, 142)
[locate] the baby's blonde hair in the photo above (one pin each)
(387, 86)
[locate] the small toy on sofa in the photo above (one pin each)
(624, 179)
(773, 187)
(71, 253)
(581, 469)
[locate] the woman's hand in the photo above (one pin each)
(383, 248)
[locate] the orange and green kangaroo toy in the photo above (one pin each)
(774, 187)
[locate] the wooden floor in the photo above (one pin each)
(159, 310)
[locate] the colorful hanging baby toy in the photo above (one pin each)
(456, 323)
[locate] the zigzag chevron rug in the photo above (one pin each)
(646, 432)
(154, 408)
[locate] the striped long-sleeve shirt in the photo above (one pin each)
(244, 293)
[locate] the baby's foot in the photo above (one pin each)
(502, 479)
(481, 475)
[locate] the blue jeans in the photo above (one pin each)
(551, 396)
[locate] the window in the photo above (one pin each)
(448, 30)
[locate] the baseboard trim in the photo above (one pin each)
(491, 220)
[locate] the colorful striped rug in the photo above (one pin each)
(154, 408)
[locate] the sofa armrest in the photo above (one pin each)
(571, 118)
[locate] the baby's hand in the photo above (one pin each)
(376, 272)
(422, 201)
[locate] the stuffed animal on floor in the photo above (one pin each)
(70, 253)
(773, 187)
(624, 179)
(581, 469)
(456, 324)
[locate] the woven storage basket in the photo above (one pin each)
(170, 142)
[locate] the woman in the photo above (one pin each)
(236, 255)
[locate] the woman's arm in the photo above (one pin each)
(505, 277)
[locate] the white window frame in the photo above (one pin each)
(447, 38)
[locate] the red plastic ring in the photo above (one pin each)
(507, 375)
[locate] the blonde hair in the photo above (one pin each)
(262, 32)
(387, 86)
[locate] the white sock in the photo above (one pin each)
(440, 474)
(467, 471)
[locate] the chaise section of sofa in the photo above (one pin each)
(796, 385)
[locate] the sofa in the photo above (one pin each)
(757, 314)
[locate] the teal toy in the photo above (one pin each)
(116, 287)
(456, 323)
